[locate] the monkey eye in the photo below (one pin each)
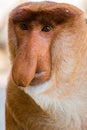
(24, 26)
(46, 28)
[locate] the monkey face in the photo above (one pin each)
(34, 43)
(34, 50)
(37, 34)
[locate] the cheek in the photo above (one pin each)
(67, 65)
(63, 60)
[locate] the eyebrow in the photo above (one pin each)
(56, 16)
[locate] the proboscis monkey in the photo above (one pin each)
(47, 88)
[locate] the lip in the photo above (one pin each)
(38, 74)
(39, 78)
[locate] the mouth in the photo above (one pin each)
(38, 73)
(39, 78)
(33, 72)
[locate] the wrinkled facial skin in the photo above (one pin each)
(35, 31)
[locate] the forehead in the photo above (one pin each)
(37, 6)
(44, 11)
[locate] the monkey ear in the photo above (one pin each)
(12, 39)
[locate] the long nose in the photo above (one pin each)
(24, 67)
(32, 57)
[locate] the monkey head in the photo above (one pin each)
(47, 42)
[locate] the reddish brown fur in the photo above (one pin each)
(33, 51)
